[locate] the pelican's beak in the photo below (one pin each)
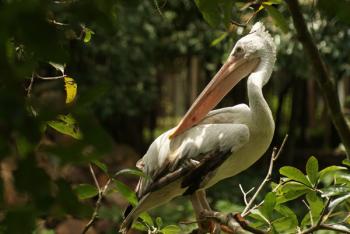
(233, 70)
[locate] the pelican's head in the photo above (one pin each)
(251, 50)
(257, 44)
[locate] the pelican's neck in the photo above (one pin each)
(261, 112)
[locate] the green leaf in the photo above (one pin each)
(316, 205)
(130, 171)
(171, 229)
(268, 205)
(306, 220)
(88, 33)
(85, 191)
(294, 174)
(71, 89)
(291, 191)
(329, 169)
(288, 223)
(270, 2)
(346, 162)
(312, 170)
(58, 67)
(146, 218)
(256, 214)
(215, 12)
(100, 165)
(335, 191)
(338, 201)
(210, 12)
(277, 17)
(67, 125)
(219, 39)
(159, 222)
(126, 192)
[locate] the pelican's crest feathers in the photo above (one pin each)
(260, 30)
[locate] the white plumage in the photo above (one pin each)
(233, 137)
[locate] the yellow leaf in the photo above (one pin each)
(71, 89)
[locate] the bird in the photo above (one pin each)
(209, 145)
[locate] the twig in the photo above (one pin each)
(157, 7)
(29, 89)
(323, 226)
(245, 193)
(101, 192)
(323, 213)
(94, 177)
(246, 23)
(50, 77)
(57, 23)
(274, 157)
(230, 220)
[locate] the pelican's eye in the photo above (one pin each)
(239, 50)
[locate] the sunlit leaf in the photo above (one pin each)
(270, 2)
(315, 203)
(146, 218)
(335, 191)
(346, 162)
(88, 33)
(219, 39)
(171, 229)
(85, 191)
(312, 170)
(256, 214)
(58, 66)
(294, 174)
(71, 89)
(338, 201)
(67, 125)
(290, 191)
(131, 171)
(329, 169)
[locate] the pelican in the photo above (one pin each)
(208, 146)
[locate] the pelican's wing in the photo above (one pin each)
(181, 165)
(201, 145)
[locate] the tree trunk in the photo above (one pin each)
(327, 86)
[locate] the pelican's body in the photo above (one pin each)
(233, 137)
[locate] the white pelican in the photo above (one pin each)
(207, 147)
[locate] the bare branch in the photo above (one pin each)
(49, 77)
(30, 87)
(245, 194)
(101, 193)
(274, 156)
(94, 177)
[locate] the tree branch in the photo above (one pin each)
(274, 157)
(101, 193)
(322, 76)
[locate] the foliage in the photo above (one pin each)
(86, 71)
(323, 192)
